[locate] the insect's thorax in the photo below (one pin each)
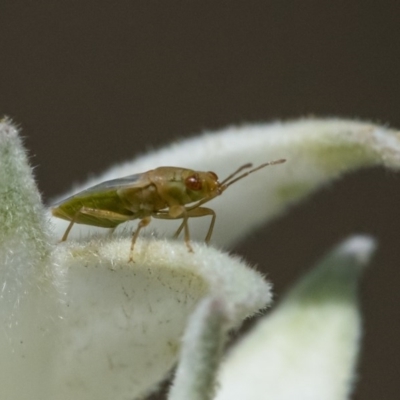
(170, 185)
(143, 201)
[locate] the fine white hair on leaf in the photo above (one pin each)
(123, 321)
(29, 287)
(80, 321)
(201, 353)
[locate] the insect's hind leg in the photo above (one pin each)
(71, 224)
(66, 233)
(112, 217)
(115, 219)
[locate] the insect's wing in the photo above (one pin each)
(116, 184)
(108, 186)
(101, 205)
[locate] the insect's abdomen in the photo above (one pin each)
(106, 202)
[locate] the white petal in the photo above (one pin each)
(123, 322)
(307, 348)
(317, 151)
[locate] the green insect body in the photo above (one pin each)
(163, 193)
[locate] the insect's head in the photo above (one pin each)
(200, 184)
(205, 185)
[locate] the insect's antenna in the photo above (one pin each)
(226, 185)
(248, 165)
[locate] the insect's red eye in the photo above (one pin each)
(193, 182)
(213, 174)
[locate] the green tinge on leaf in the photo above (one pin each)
(293, 191)
(307, 348)
(29, 293)
(341, 156)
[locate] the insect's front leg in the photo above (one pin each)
(175, 212)
(200, 212)
(186, 214)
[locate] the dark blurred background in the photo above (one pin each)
(92, 83)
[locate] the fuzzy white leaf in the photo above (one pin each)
(201, 351)
(123, 321)
(29, 307)
(80, 321)
(307, 348)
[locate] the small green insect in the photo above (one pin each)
(163, 193)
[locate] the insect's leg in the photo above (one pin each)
(191, 213)
(117, 219)
(186, 231)
(144, 222)
(71, 224)
(111, 216)
(176, 212)
(101, 214)
(179, 230)
(201, 212)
